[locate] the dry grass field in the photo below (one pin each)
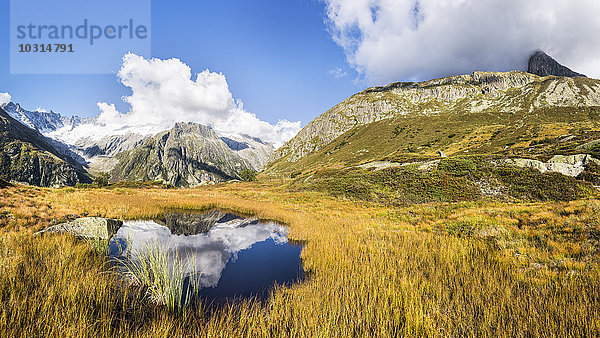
(440, 269)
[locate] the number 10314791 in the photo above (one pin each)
(46, 48)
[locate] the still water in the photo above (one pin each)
(231, 256)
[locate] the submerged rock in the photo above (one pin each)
(87, 227)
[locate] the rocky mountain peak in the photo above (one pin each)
(542, 64)
(182, 128)
(187, 155)
(27, 156)
(40, 120)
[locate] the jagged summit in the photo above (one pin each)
(40, 120)
(542, 64)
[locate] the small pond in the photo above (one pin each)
(229, 256)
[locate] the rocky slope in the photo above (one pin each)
(187, 155)
(256, 152)
(40, 120)
(480, 112)
(74, 138)
(542, 64)
(27, 156)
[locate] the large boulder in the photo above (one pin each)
(88, 227)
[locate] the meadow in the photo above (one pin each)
(468, 268)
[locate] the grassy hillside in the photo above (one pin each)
(540, 134)
(537, 118)
(452, 179)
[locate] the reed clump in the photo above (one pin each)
(163, 274)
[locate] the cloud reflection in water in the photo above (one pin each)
(209, 251)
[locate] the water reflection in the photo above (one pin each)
(210, 244)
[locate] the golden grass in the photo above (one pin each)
(464, 269)
(473, 140)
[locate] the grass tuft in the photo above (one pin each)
(163, 275)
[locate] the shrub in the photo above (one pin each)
(248, 175)
(457, 166)
(102, 179)
(591, 174)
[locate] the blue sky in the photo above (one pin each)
(276, 55)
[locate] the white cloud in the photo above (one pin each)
(4, 99)
(338, 72)
(392, 40)
(164, 92)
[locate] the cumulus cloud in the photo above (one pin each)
(165, 92)
(4, 98)
(392, 40)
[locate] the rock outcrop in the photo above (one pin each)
(571, 165)
(542, 64)
(88, 227)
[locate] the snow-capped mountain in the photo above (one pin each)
(40, 120)
(26, 156)
(99, 145)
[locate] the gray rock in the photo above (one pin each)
(571, 165)
(380, 165)
(87, 227)
(542, 64)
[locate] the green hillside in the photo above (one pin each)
(510, 114)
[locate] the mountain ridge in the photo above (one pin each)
(29, 157)
(187, 155)
(499, 96)
(100, 154)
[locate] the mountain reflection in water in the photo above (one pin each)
(210, 243)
